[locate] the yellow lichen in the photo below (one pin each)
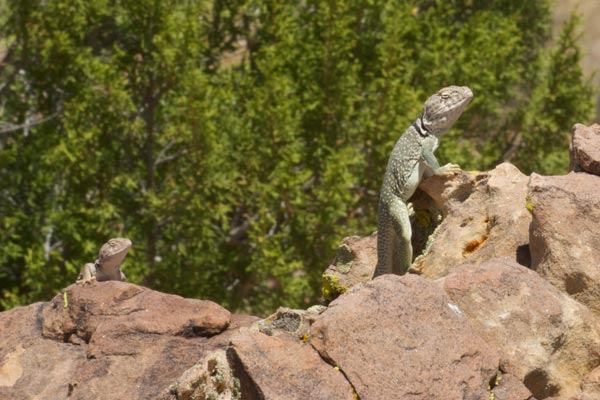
(330, 287)
(423, 218)
(529, 204)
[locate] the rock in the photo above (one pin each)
(489, 222)
(564, 241)
(546, 340)
(210, 378)
(287, 321)
(485, 216)
(447, 189)
(354, 263)
(584, 151)
(508, 387)
(108, 340)
(110, 316)
(591, 386)
(401, 337)
(33, 367)
(279, 367)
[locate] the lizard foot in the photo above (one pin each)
(86, 281)
(448, 169)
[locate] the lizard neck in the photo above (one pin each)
(424, 132)
(418, 126)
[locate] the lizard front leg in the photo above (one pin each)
(433, 166)
(88, 274)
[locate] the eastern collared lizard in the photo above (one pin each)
(412, 159)
(107, 266)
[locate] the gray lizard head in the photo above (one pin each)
(443, 108)
(114, 251)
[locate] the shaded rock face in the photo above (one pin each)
(565, 233)
(402, 337)
(108, 340)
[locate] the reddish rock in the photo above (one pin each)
(401, 337)
(490, 221)
(564, 234)
(279, 367)
(584, 151)
(354, 263)
(109, 340)
(210, 378)
(110, 316)
(287, 321)
(444, 190)
(485, 216)
(33, 367)
(591, 386)
(508, 387)
(547, 340)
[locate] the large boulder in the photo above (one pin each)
(402, 337)
(280, 367)
(483, 216)
(107, 340)
(564, 233)
(547, 340)
(354, 263)
(492, 221)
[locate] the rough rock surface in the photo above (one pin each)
(287, 321)
(401, 337)
(492, 221)
(591, 386)
(108, 340)
(354, 263)
(486, 328)
(585, 149)
(485, 216)
(565, 233)
(210, 378)
(279, 367)
(547, 340)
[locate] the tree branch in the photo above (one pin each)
(7, 127)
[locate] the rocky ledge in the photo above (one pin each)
(502, 303)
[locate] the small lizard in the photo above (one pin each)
(108, 265)
(412, 159)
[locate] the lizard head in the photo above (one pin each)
(443, 108)
(114, 251)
